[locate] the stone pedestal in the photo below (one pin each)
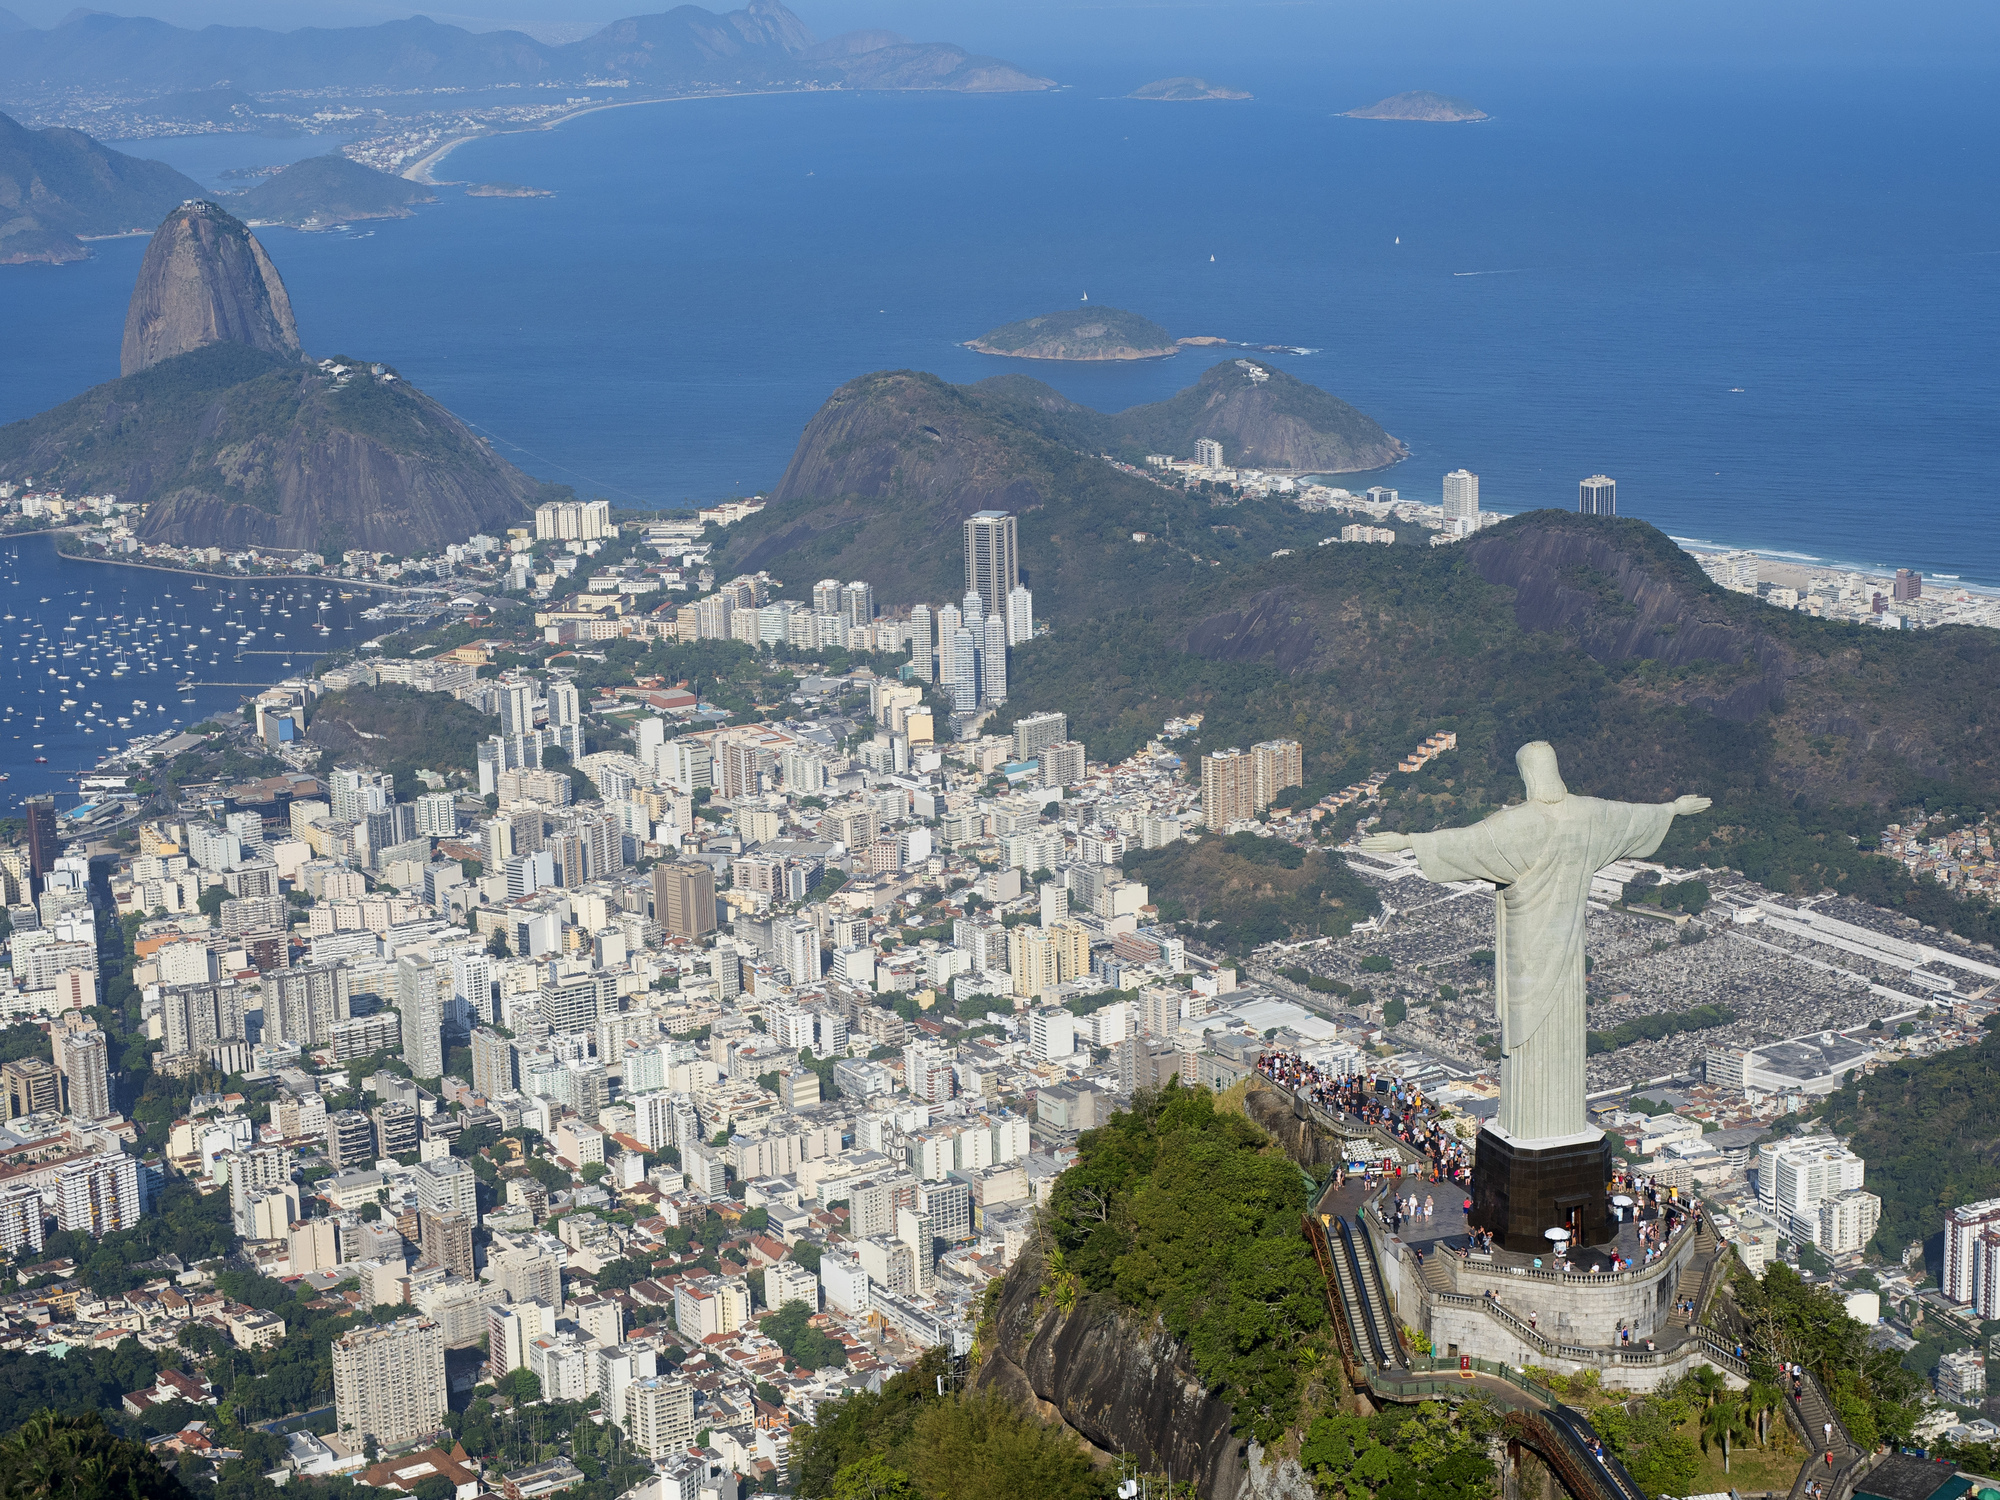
(1520, 1191)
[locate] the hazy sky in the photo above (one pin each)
(1220, 35)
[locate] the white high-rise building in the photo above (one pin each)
(973, 607)
(517, 708)
(993, 662)
(420, 1002)
(1208, 453)
(1597, 496)
(1020, 615)
(21, 1219)
(961, 676)
(98, 1194)
(84, 1060)
(1963, 1227)
(1461, 495)
(659, 1416)
(565, 707)
(389, 1381)
(923, 642)
(437, 815)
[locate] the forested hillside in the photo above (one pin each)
(1898, 1114)
(1600, 636)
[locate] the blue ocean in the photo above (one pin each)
(1765, 302)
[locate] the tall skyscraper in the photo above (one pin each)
(85, 1060)
(923, 642)
(993, 662)
(684, 899)
(961, 673)
(43, 848)
(517, 707)
(565, 707)
(1461, 495)
(389, 1381)
(857, 603)
(358, 791)
(992, 556)
(420, 1002)
(1597, 496)
(1020, 615)
(826, 597)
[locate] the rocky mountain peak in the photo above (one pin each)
(205, 280)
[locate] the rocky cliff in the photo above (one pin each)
(1124, 1386)
(205, 280)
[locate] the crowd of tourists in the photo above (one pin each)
(1397, 1108)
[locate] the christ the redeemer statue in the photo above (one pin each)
(1541, 853)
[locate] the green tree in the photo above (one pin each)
(1724, 1423)
(871, 1478)
(980, 1446)
(55, 1457)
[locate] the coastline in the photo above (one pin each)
(1806, 566)
(420, 170)
(152, 567)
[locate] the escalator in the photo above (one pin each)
(1386, 1350)
(1354, 1307)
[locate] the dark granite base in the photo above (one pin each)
(1517, 1194)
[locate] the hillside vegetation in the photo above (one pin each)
(1244, 890)
(1600, 636)
(332, 187)
(1177, 1209)
(1898, 1114)
(400, 730)
(893, 463)
(234, 446)
(58, 184)
(1079, 333)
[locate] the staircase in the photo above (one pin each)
(1814, 1413)
(1700, 1276)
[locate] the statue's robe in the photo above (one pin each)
(1542, 855)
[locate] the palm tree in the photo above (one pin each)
(1723, 1422)
(1763, 1399)
(1710, 1383)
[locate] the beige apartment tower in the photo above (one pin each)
(389, 1381)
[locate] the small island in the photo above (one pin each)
(506, 190)
(1178, 89)
(1079, 333)
(1419, 104)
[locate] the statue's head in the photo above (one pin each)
(1538, 769)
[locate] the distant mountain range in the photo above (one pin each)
(764, 43)
(58, 184)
